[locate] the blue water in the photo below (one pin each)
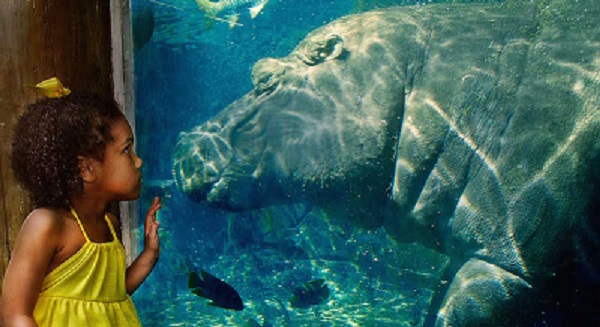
(189, 70)
(185, 74)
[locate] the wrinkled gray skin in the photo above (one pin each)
(472, 129)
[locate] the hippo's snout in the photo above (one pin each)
(193, 178)
(199, 160)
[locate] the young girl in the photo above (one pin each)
(75, 156)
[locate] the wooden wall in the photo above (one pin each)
(39, 39)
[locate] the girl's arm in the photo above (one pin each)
(34, 248)
(144, 263)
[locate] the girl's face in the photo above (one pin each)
(120, 175)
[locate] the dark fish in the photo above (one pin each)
(143, 27)
(252, 323)
(220, 293)
(311, 293)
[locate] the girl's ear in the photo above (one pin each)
(86, 169)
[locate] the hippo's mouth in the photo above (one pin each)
(214, 190)
(194, 179)
(198, 167)
(202, 171)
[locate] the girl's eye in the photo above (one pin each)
(127, 150)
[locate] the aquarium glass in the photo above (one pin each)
(192, 60)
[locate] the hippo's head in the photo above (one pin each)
(314, 123)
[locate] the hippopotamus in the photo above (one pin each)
(471, 129)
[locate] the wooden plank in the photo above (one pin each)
(13, 35)
(40, 39)
(123, 89)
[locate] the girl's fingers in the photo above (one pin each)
(154, 207)
(151, 216)
(153, 229)
(156, 202)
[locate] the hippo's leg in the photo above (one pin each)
(481, 294)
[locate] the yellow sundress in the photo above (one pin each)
(88, 289)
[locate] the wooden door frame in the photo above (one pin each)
(124, 93)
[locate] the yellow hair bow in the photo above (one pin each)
(52, 88)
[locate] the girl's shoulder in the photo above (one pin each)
(46, 221)
(44, 227)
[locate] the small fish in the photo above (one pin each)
(213, 8)
(210, 287)
(252, 323)
(311, 293)
(51, 88)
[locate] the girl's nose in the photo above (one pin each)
(138, 162)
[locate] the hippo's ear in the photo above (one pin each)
(316, 52)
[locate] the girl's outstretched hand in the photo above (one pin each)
(151, 241)
(144, 263)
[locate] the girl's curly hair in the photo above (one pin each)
(49, 137)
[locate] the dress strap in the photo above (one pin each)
(106, 218)
(74, 213)
(112, 229)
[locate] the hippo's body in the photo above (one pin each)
(472, 129)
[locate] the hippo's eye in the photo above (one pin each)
(322, 50)
(266, 83)
(266, 75)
